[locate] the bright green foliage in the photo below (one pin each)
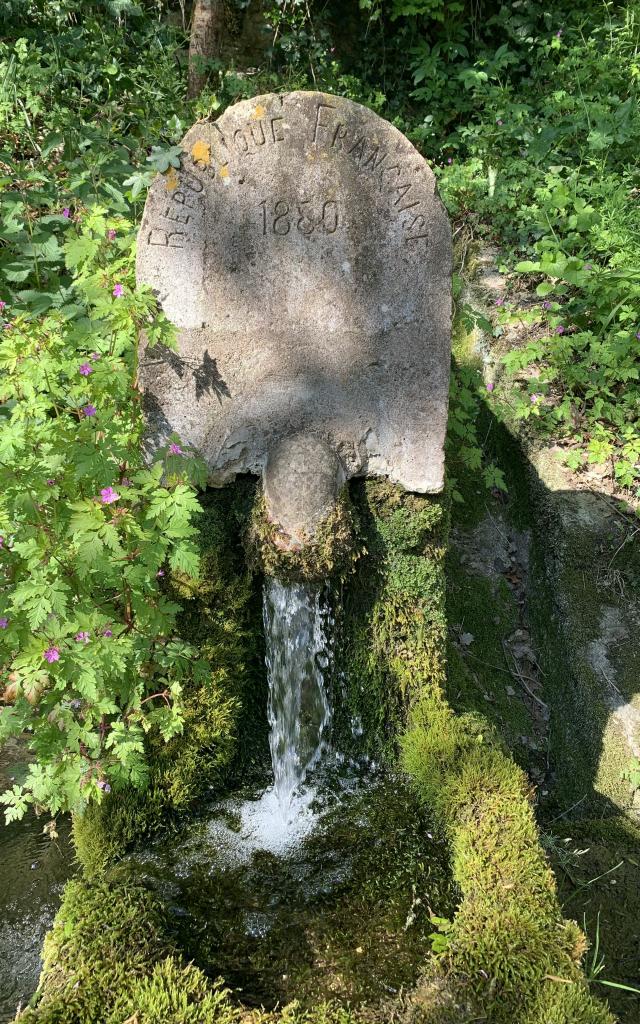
(91, 660)
(88, 529)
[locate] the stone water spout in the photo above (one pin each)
(305, 258)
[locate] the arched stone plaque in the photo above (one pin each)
(305, 257)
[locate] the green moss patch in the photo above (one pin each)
(108, 960)
(330, 553)
(344, 915)
(508, 944)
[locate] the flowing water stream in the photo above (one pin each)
(298, 654)
(308, 888)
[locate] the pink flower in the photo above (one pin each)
(160, 573)
(534, 398)
(51, 654)
(560, 329)
(3, 622)
(111, 234)
(118, 291)
(94, 357)
(125, 482)
(450, 160)
(558, 33)
(2, 304)
(50, 482)
(82, 637)
(490, 386)
(108, 496)
(8, 326)
(175, 449)
(85, 369)
(1, 542)
(104, 786)
(546, 304)
(89, 410)
(107, 632)
(66, 212)
(499, 302)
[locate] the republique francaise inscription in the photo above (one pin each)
(306, 259)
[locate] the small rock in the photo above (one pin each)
(467, 639)
(509, 690)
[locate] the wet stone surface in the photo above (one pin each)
(34, 870)
(338, 910)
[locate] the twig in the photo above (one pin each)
(518, 674)
(568, 810)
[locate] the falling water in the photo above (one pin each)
(298, 654)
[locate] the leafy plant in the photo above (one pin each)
(90, 660)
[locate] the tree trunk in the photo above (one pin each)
(207, 26)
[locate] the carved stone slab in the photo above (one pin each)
(304, 255)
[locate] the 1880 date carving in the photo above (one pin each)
(280, 216)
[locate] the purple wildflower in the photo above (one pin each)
(160, 572)
(2, 304)
(51, 654)
(82, 637)
(111, 234)
(560, 329)
(118, 291)
(499, 302)
(558, 33)
(4, 622)
(85, 369)
(450, 160)
(490, 386)
(89, 410)
(638, 335)
(125, 482)
(1, 542)
(66, 212)
(175, 449)
(534, 398)
(546, 304)
(107, 632)
(94, 357)
(104, 785)
(50, 482)
(8, 326)
(108, 495)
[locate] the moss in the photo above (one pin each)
(108, 960)
(335, 919)
(508, 934)
(104, 941)
(331, 552)
(562, 1003)
(225, 716)
(399, 533)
